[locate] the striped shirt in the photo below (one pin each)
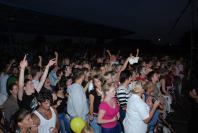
(122, 95)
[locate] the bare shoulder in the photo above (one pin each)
(35, 118)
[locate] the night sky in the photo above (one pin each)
(147, 18)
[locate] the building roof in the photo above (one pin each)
(14, 19)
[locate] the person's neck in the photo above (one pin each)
(43, 110)
(125, 84)
(107, 99)
(36, 78)
(139, 94)
(154, 82)
(14, 95)
(79, 81)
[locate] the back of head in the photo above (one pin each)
(137, 88)
(150, 75)
(124, 76)
(77, 73)
(34, 70)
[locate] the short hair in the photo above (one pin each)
(150, 75)
(35, 69)
(124, 75)
(77, 73)
(44, 95)
(10, 88)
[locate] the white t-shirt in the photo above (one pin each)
(137, 111)
(46, 125)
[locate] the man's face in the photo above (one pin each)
(46, 105)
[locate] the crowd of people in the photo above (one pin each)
(111, 93)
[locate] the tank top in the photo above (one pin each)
(46, 125)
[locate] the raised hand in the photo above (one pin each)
(56, 53)
(23, 63)
(51, 62)
(107, 51)
(40, 57)
(137, 52)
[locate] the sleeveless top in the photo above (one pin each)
(46, 125)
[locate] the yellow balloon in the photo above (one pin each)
(77, 124)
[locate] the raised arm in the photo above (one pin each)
(23, 65)
(44, 76)
(137, 52)
(109, 53)
(56, 57)
(40, 61)
(117, 78)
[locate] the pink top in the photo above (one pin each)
(110, 112)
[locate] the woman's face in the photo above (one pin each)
(27, 122)
(30, 86)
(150, 91)
(97, 83)
(111, 92)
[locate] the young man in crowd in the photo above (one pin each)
(45, 117)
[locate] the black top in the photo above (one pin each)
(28, 102)
(97, 100)
(63, 105)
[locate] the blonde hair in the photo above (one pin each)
(106, 87)
(138, 87)
(148, 85)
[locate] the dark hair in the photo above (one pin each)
(20, 115)
(10, 88)
(150, 75)
(77, 73)
(26, 80)
(101, 78)
(124, 75)
(44, 95)
(35, 69)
